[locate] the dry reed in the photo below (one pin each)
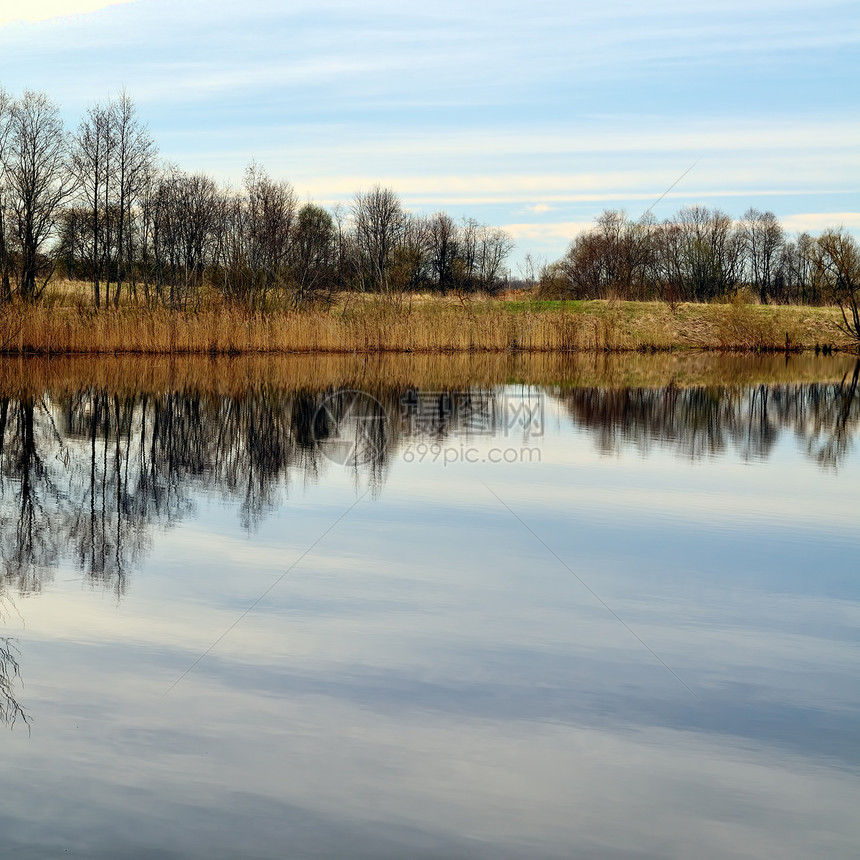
(429, 325)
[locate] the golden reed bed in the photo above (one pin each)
(435, 325)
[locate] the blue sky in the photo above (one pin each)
(533, 116)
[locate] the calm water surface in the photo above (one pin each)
(411, 619)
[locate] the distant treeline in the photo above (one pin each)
(702, 254)
(97, 205)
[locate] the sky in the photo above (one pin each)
(534, 117)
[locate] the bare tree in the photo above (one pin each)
(668, 265)
(73, 250)
(801, 270)
(193, 220)
(530, 271)
(5, 262)
(134, 158)
(344, 245)
(494, 246)
(444, 238)
(230, 245)
(90, 160)
(466, 262)
(409, 268)
(148, 231)
(271, 207)
(39, 181)
(379, 222)
(763, 239)
(838, 269)
(712, 251)
(604, 260)
(313, 253)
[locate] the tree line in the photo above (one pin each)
(702, 254)
(97, 204)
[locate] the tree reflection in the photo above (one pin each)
(90, 476)
(832, 423)
(10, 709)
(29, 494)
(704, 422)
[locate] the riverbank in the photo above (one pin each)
(367, 325)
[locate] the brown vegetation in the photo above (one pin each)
(365, 325)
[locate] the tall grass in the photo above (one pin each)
(368, 326)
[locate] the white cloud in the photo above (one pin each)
(44, 10)
(180, 81)
(565, 230)
(816, 221)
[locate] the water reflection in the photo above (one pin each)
(701, 421)
(428, 679)
(90, 474)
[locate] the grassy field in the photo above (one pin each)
(65, 324)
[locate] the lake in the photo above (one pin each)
(427, 607)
